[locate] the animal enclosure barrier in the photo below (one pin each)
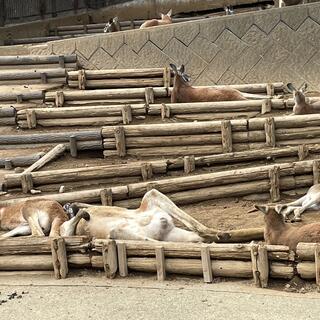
(134, 172)
(33, 76)
(82, 140)
(120, 78)
(210, 137)
(272, 179)
(117, 257)
(68, 62)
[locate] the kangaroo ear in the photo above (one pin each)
(279, 207)
(304, 87)
(169, 13)
(262, 208)
(161, 15)
(291, 87)
(182, 69)
(110, 20)
(173, 68)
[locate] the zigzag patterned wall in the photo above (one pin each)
(271, 45)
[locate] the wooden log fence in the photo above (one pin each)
(210, 137)
(201, 187)
(7, 116)
(259, 262)
(19, 96)
(33, 76)
(85, 140)
(103, 95)
(133, 172)
(20, 161)
(68, 62)
(120, 78)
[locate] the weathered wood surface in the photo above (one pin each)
(34, 59)
(22, 161)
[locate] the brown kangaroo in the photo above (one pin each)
(184, 92)
(35, 217)
(165, 19)
(301, 105)
(281, 233)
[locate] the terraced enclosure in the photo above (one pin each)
(107, 136)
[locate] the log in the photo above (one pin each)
(34, 59)
(59, 258)
(30, 245)
(22, 161)
(49, 156)
(24, 95)
(206, 264)
(106, 94)
(160, 263)
(306, 269)
(31, 74)
(58, 81)
(122, 259)
(233, 251)
(220, 268)
(110, 259)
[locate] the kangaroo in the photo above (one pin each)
(301, 106)
(35, 217)
(280, 233)
(309, 201)
(184, 92)
(112, 25)
(165, 19)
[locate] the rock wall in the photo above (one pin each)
(270, 45)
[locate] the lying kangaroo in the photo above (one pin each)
(301, 106)
(165, 19)
(309, 201)
(153, 220)
(35, 217)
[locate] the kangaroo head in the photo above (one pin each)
(166, 16)
(112, 25)
(180, 72)
(298, 94)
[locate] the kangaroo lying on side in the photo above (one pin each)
(281, 233)
(153, 220)
(35, 217)
(165, 19)
(309, 201)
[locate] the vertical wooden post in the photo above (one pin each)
(274, 176)
(31, 118)
(316, 171)
(166, 77)
(269, 128)
(106, 197)
(146, 171)
(19, 98)
(189, 164)
(110, 259)
(149, 95)
(61, 62)
(165, 111)
(82, 79)
(26, 182)
(317, 262)
(263, 266)
(120, 137)
(8, 164)
(73, 146)
(122, 259)
(303, 152)
(160, 262)
(59, 258)
(270, 89)
(206, 264)
(126, 114)
(266, 106)
(255, 271)
(59, 99)
(226, 136)
(43, 77)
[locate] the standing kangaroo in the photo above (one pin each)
(165, 19)
(301, 106)
(184, 92)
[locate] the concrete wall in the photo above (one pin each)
(271, 45)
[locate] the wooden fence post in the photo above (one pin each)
(206, 264)
(110, 259)
(73, 146)
(161, 263)
(165, 111)
(226, 136)
(266, 106)
(122, 259)
(269, 128)
(149, 95)
(59, 99)
(270, 89)
(146, 171)
(120, 137)
(82, 79)
(317, 262)
(316, 171)
(106, 197)
(166, 77)
(31, 118)
(303, 152)
(263, 266)
(59, 258)
(255, 272)
(126, 114)
(189, 164)
(274, 176)
(26, 182)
